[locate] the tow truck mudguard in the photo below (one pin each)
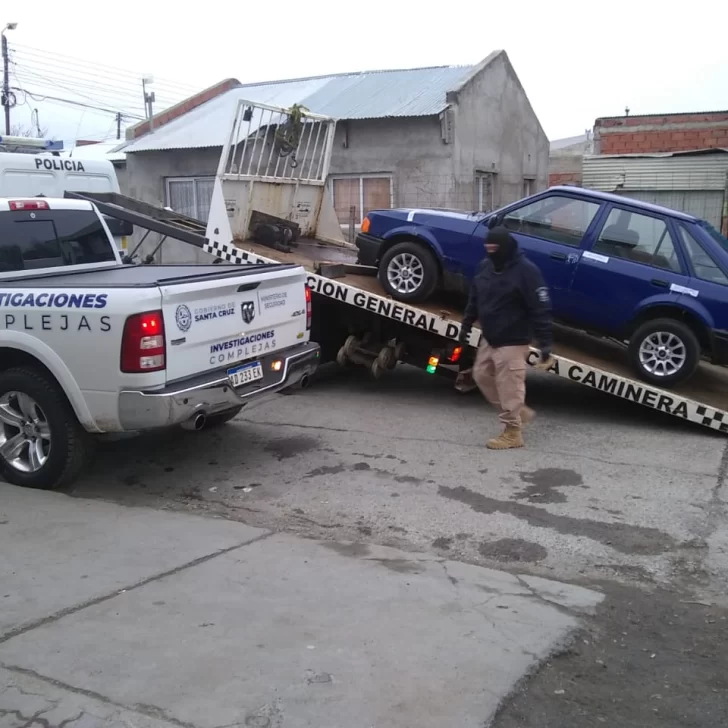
(211, 392)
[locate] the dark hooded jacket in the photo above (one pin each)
(509, 297)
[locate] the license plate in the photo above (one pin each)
(245, 374)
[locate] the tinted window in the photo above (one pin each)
(57, 238)
(556, 218)
(703, 263)
(639, 238)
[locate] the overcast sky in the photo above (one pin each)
(576, 60)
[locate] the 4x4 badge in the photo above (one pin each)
(248, 311)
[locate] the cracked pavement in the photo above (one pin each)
(135, 617)
(611, 522)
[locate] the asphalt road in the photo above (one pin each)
(605, 493)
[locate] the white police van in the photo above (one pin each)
(35, 168)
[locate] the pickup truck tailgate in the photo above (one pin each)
(215, 324)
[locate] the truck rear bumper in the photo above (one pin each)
(212, 393)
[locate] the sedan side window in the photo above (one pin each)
(556, 218)
(639, 238)
(703, 263)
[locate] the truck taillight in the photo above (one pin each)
(142, 345)
(308, 307)
(19, 205)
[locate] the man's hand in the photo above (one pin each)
(546, 360)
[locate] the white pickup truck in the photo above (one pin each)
(89, 345)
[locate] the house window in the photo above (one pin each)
(190, 196)
(363, 193)
(529, 186)
(485, 191)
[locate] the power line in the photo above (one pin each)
(100, 97)
(94, 81)
(38, 96)
(99, 87)
(38, 55)
(28, 78)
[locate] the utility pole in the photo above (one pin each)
(118, 125)
(6, 76)
(149, 99)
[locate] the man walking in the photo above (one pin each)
(511, 301)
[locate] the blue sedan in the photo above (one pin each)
(653, 277)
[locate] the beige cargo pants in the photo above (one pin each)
(500, 374)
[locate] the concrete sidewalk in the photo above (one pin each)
(111, 616)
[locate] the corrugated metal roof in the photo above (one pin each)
(364, 95)
(655, 172)
(102, 150)
(567, 142)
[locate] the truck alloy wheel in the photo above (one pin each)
(25, 437)
(42, 444)
(664, 352)
(408, 272)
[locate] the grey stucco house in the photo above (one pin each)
(452, 136)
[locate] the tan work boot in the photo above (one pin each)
(527, 415)
(510, 437)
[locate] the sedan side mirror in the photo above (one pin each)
(493, 222)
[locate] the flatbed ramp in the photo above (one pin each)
(578, 357)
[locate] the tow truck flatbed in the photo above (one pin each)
(263, 189)
(578, 357)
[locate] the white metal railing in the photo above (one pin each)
(269, 143)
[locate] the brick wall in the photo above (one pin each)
(562, 178)
(666, 133)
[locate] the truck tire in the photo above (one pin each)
(408, 272)
(664, 352)
(221, 418)
(42, 443)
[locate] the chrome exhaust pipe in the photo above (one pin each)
(196, 422)
(304, 381)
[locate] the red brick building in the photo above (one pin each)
(661, 133)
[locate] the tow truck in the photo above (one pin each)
(271, 204)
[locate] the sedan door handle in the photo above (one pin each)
(660, 283)
(558, 256)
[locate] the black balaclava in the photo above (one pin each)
(507, 247)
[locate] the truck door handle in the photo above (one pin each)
(558, 256)
(660, 283)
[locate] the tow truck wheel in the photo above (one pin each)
(664, 352)
(42, 443)
(408, 272)
(350, 346)
(377, 369)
